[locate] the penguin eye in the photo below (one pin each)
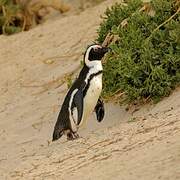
(96, 49)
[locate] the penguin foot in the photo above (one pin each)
(76, 135)
(72, 136)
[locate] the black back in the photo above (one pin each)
(63, 117)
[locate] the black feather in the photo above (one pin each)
(99, 109)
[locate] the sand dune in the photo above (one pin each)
(144, 145)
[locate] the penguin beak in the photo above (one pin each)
(109, 49)
(106, 49)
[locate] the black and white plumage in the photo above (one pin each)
(83, 97)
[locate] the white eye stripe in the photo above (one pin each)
(87, 62)
(97, 47)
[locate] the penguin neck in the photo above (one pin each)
(95, 65)
(93, 68)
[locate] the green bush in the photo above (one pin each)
(145, 59)
(9, 22)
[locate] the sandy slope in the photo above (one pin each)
(33, 67)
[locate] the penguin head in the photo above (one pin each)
(94, 53)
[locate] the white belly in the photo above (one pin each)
(91, 97)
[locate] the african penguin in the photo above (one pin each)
(83, 96)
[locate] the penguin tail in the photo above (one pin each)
(57, 134)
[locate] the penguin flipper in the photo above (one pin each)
(78, 102)
(99, 109)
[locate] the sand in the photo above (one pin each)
(34, 67)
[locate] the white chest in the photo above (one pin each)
(92, 96)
